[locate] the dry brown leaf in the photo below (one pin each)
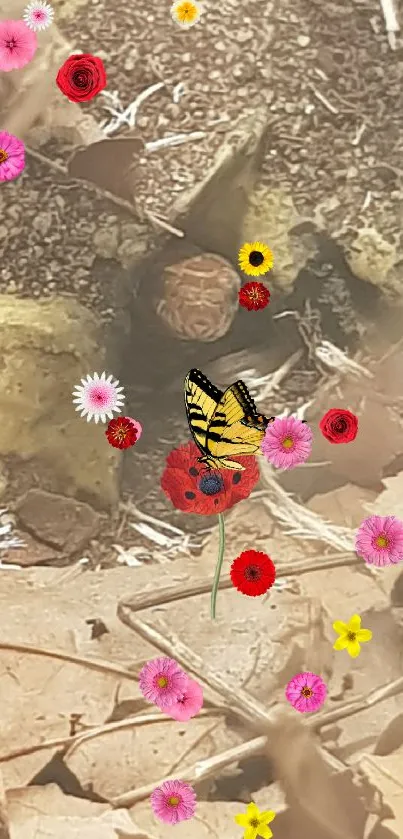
(45, 813)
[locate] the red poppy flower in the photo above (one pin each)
(193, 488)
(253, 573)
(122, 432)
(254, 296)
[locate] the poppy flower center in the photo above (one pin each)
(252, 572)
(254, 823)
(211, 484)
(382, 541)
(351, 636)
(256, 258)
(173, 800)
(307, 692)
(288, 443)
(162, 681)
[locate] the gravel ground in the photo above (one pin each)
(325, 71)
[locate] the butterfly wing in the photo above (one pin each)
(201, 400)
(235, 428)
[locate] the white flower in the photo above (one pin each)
(38, 15)
(186, 12)
(98, 397)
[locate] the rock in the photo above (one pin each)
(374, 259)
(303, 40)
(33, 553)
(270, 219)
(45, 349)
(64, 523)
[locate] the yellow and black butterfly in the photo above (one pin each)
(222, 423)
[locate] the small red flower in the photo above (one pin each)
(193, 488)
(254, 296)
(339, 426)
(253, 573)
(122, 433)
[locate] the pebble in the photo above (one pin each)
(221, 46)
(303, 40)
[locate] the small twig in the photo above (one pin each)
(358, 136)
(163, 224)
(391, 22)
(348, 709)
(91, 664)
(175, 140)
(325, 102)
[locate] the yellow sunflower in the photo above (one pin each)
(185, 12)
(255, 258)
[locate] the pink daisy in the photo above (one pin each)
(379, 540)
(162, 681)
(306, 692)
(12, 156)
(98, 397)
(38, 15)
(17, 45)
(287, 442)
(188, 704)
(173, 802)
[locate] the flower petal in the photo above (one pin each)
(265, 832)
(353, 649)
(340, 627)
(341, 643)
(267, 816)
(242, 820)
(364, 635)
(354, 624)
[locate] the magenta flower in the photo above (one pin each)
(379, 540)
(17, 45)
(287, 442)
(306, 692)
(173, 802)
(189, 704)
(162, 681)
(12, 156)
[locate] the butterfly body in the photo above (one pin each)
(223, 424)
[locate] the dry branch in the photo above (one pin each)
(92, 664)
(170, 594)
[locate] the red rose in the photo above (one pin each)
(81, 77)
(339, 426)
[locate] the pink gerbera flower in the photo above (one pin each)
(38, 15)
(188, 704)
(12, 156)
(162, 681)
(379, 540)
(17, 44)
(98, 397)
(173, 802)
(287, 442)
(306, 692)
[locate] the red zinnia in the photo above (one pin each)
(254, 296)
(121, 432)
(253, 573)
(193, 488)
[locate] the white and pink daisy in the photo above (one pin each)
(379, 540)
(287, 442)
(173, 802)
(38, 15)
(17, 45)
(98, 397)
(306, 692)
(162, 681)
(188, 704)
(12, 156)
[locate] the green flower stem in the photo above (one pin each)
(221, 548)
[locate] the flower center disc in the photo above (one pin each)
(173, 801)
(254, 823)
(252, 573)
(162, 682)
(256, 258)
(288, 443)
(306, 692)
(382, 541)
(351, 636)
(211, 484)
(3, 156)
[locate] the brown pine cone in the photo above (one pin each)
(199, 297)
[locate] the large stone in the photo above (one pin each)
(45, 349)
(373, 258)
(62, 522)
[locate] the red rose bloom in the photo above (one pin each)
(193, 488)
(81, 77)
(253, 573)
(254, 296)
(121, 432)
(339, 426)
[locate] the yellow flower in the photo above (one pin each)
(255, 822)
(351, 635)
(255, 258)
(186, 12)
